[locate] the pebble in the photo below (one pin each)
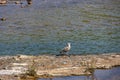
(17, 2)
(3, 19)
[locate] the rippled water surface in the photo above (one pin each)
(111, 74)
(91, 26)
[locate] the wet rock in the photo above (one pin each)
(17, 2)
(3, 1)
(3, 19)
(29, 2)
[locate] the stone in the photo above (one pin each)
(29, 2)
(3, 1)
(3, 19)
(17, 2)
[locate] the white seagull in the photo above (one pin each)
(66, 49)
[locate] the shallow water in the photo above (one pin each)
(110, 74)
(91, 26)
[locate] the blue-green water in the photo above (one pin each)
(91, 26)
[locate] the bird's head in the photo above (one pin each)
(68, 44)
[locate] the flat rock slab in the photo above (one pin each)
(9, 72)
(52, 65)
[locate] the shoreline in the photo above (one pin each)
(27, 67)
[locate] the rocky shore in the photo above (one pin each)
(26, 67)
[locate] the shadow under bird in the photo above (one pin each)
(66, 49)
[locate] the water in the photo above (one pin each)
(91, 26)
(111, 74)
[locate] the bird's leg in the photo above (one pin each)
(67, 53)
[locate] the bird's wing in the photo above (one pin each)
(66, 49)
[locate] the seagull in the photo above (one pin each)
(65, 49)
